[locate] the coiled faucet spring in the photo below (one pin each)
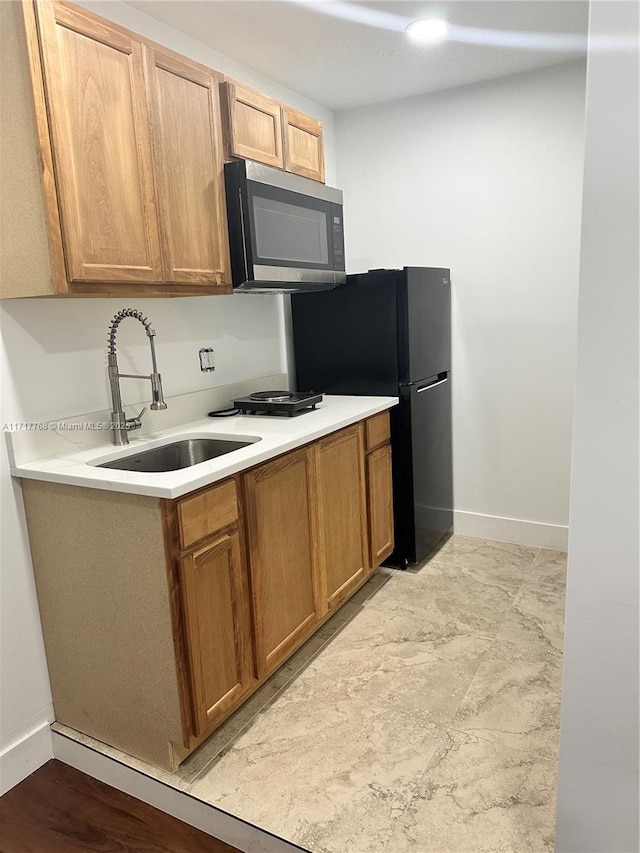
(113, 326)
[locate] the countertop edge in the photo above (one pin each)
(53, 469)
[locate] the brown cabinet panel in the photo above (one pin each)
(259, 128)
(94, 80)
(206, 512)
(280, 513)
(342, 513)
(131, 151)
(303, 145)
(216, 615)
(380, 505)
(377, 430)
(255, 125)
(188, 163)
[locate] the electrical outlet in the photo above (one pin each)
(207, 360)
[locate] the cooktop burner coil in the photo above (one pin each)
(272, 396)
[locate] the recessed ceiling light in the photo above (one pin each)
(428, 30)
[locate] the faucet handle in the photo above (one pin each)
(135, 423)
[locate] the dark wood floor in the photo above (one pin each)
(60, 810)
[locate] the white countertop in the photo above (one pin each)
(270, 435)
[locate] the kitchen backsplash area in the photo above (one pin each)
(42, 439)
(55, 352)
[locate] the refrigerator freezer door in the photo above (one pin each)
(426, 343)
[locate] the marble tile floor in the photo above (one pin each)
(423, 717)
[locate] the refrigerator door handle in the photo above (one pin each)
(439, 380)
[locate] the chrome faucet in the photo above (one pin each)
(120, 424)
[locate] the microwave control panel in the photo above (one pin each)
(337, 236)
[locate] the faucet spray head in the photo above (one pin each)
(156, 393)
(156, 381)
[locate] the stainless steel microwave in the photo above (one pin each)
(285, 232)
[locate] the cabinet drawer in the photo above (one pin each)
(377, 430)
(206, 512)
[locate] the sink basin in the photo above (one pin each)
(178, 454)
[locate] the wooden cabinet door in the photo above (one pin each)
(255, 126)
(380, 505)
(342, 513)
(94, 80)
(280, 513)
(303, 145)
(215, 602)
(185, 120)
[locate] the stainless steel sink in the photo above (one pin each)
(179, 454)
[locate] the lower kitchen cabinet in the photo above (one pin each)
(211, 607)
(280, 513)
(215, 601)
(160, 617)
(377, 439)
(380, 505)
(342, 538)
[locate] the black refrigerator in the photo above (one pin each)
(388, 332)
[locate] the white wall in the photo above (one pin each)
(486, 180)
(53, 364)
(598, 792)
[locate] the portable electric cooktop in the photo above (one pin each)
(278, 402)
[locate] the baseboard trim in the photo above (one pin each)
(179, 804)
(23, 757)
(532, 533)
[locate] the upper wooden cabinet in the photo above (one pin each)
(259, 128)
(130, 142)
(187, 160)
(94, 81)
(303, 145)
(254, 124)
(112, 150)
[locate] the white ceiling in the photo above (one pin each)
(344, 63)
